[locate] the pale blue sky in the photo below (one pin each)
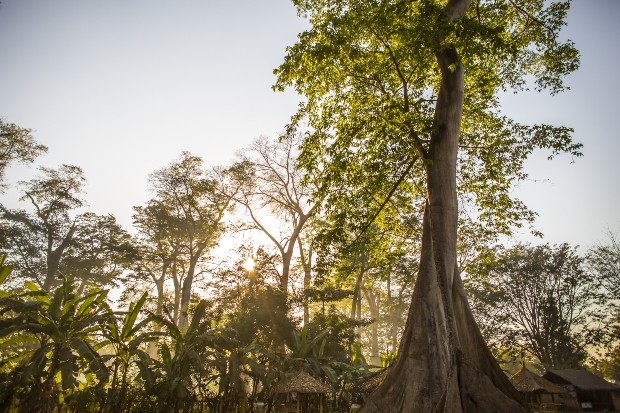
(122, 87)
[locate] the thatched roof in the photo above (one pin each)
(370, 384)
(527, 381)
(302, 382)
(581, 379)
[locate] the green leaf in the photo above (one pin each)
(31, 286)
(197, 318)
(5, 271)
(132, 315)
(68, 368)
(95, 363)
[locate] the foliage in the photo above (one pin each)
(541, 300)
(17, 145)
(169, 377)
(126, 337)
(58, 334)
(194, 202)
(369, 72)
(99, 252)
(38, 241)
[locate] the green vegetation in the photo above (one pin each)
(393, 181)
(340, 319)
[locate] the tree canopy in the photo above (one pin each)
(404, 94)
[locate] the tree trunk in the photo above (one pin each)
(373, 305)
(159, 309)
(176, 282)
(186, 294)
(287, 257)
(306, 262)
(54, 256)
(357, 290)
(443, 363)
(437, 370)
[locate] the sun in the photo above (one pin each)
(249, 264)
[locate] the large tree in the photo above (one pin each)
(405, 93)
(99, 252)
(38, 241)
(159, 240)
(273, 189)
(196, 200)
(541, 300)
(604, 262)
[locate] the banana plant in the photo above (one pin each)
(233, 363)
(60, 334)
(307, 353)
(184, 354)
(126, 336)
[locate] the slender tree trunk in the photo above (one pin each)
(357, 290)
(287, 257)
(186, 291)
(373, 305)
(54, 256)
(176, 282)
(159, 309)
(306, 262)
(186, 294)
(443, 363)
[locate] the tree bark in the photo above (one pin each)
(443, 363)
(357, 290)
(306, 262)
(55, 255)
(373, 305)
(186, 291)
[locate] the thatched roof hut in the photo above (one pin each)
(300, 393)
(526, 381)
(301, 382)
(540, 394)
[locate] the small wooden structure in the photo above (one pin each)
(540, 394)
(301, 393)
(593, 392)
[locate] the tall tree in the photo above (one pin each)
(159, 240)
(604, 259)
(274, 186)
(39, 240)
(17, 145)
(604, 262)
(543, 300)
(198, 200)
(401, 92)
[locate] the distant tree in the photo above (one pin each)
(371, 266)
(159, 242)
(250, 300)
(274, 185)
(17, 145)
(38, 241)
(99, 252)
(197, 200)
(542, 301)
(604, 261)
